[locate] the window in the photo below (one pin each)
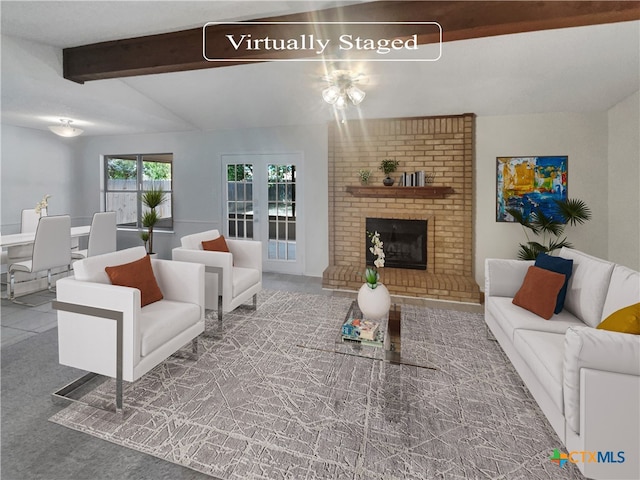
(128, 176)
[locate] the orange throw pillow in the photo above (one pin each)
(539, 291)
(216, 245)
(138, 274)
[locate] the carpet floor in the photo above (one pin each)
(255, 405)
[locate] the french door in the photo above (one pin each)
(263, 202)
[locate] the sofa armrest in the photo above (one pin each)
(503, 277)
(246, 253)
(207, 258)
(89, 343)
(590, 348)
(180, 281)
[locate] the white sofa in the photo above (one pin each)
(585, 380)
(232, 278)
(150, 334)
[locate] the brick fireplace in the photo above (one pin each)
(443, 146)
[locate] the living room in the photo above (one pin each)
(572, 91)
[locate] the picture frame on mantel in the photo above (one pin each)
(530, 183)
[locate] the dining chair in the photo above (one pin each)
(28, 223)
(102, 236)
(50, 250)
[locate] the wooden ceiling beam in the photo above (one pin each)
(183, 50)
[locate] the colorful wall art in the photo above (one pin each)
(529, 183)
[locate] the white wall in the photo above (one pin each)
(583, 137)
(197, 179)
(624, 181)
(35, 163)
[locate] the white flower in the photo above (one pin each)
(44, 203)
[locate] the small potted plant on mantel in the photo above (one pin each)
(388, 166)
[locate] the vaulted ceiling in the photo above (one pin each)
(574, 69)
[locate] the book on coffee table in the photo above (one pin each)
(359, 329)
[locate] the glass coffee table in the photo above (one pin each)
(386, 346)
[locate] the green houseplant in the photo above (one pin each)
(549, 229)
(388, 166)
(151, 199)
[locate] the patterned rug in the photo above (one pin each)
(255, 405)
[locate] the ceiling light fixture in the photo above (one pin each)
(342, 89)
(65, 129)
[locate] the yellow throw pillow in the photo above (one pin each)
(625, 320)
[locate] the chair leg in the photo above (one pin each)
(49, 287)
(219, 309)
(194, 346)
(255, 301)
(12, 286)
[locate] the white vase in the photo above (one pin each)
(374, 303)
(43, 212)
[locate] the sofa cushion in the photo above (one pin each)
(243, 278)
(137, 274)
(92, 269)
(161, 321)
(539, 291)
(544, 353)
(511, 318)
(624, 290)
(625, 320)
(588, 285)
(558, 265)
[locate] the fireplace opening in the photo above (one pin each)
(405, 242)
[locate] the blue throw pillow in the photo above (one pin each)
(558, 265)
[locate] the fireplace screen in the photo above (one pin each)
(405, 242)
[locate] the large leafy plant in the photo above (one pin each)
(548, 230)
(151, 199)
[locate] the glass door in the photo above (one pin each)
(239, 210)
(281, 187)
(263, 203)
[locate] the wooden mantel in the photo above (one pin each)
(399, 192)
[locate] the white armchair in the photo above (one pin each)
(142, 337)
(231, 278)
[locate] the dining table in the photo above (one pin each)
(28, 238)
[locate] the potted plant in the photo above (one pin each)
(364, 176)
(388, 166)
(151, 199)
(549, 227)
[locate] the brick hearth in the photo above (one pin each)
(440, 145)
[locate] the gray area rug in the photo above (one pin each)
(255, 405)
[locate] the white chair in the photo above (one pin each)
(141, 337)
(50, 250)
(28, 223)
(231, 278)
(102, 236)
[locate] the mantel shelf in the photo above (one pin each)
(400, 192)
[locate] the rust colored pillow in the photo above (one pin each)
(216, 245)
(138, 274)
(539, 291)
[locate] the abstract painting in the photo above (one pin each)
(528, 184)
